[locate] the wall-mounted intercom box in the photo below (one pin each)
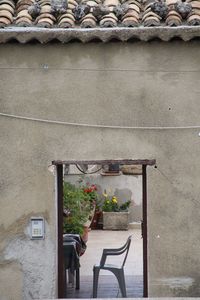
(37, 228)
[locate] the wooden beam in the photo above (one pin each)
(61, 283)
(149, 162)
(144, 231)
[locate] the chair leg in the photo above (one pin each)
(95, 281)
(71, 277)
(122, 283)
(65, 281)
(119, 274)
(77, 279)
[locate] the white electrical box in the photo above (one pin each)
(37, 228)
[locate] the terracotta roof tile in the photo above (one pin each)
(7, 10)
(66, 20)
(193, 18)
(89, 21)
(99, 13)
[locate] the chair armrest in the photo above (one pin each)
(115, 251)
(108, 252)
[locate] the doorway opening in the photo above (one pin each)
(109, 168)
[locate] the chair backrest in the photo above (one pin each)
(126, 248)
(117, 251)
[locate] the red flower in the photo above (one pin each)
(90, 189)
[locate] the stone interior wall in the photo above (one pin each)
(125, 84)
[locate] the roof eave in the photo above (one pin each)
(45, 35)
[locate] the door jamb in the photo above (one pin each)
(60, 264)
(144, 231)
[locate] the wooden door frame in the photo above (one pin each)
(144, 231)
(59, 168)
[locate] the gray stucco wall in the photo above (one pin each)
(130, 84)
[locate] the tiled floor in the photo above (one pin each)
(108, 287)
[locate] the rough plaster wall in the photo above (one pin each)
(38, 266)
(174, 224)
(132, 84)
(11, 276)
(25, 194)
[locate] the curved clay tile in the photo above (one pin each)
(45, 20)
(132, 16)
(71, 4)
(89, 21)
(92, 3)
(173, 17)
(46, 9)
(194, 20)
(23, 17)
(149, 17)
(66, 13)
(135, 6)
(9, 2)
(7, 7)
(67, 20)
(171, 3)
(109, 19)
(61, 13)
(111, 3)
(6, 12)
(195, 4)
(89, 12)
(194, 16)
(23, 22)
(45, 17)
(23, 7)
(23, 2)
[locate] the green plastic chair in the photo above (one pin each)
(118, 271)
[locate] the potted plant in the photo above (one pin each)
(79, 205)
(115, 215)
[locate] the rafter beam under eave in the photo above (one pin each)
(149, 162)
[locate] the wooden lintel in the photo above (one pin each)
(146, 162)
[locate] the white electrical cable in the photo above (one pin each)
(99, 126)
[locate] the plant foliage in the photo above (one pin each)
(78, 203)
(110, 203)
